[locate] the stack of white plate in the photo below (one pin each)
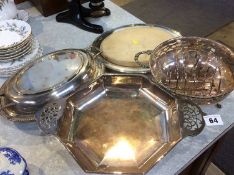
(17, 46)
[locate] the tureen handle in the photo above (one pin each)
(191, 118)
(48, 117)
(136, 58)
(94, 51)
(7, 106)
(2, 95)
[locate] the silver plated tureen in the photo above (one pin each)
(53, 76)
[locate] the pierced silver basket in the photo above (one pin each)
(193, 68)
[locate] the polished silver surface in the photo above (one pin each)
(120, 123)
(193, 68)
(124, 69)
(53, 76)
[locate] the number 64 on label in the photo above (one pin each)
(213, 120)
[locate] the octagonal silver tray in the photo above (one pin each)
(121, 123)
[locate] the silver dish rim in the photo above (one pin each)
(95, 47)
(41, 59)
(199, 99)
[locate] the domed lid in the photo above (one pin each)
(50, 72)
(53, 76)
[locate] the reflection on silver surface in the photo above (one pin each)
(61, 67)
(194, 68)
(121, 123)
(53, 76)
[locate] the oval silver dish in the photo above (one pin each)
(53, 76)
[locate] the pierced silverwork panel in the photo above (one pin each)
(192, 120)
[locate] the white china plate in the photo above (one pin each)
(16, 47)
(16, 52)
(11, 67)
(13, 32)
(14, 71)
(17, 55)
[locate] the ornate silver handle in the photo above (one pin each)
(2, 95)
(191, 118)
(47, 118)
(6, 106)
(93, 51)
(136, 58)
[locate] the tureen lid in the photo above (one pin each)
(53, 76)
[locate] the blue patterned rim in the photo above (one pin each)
(14, 157)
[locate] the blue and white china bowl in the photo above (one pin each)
(12, 163)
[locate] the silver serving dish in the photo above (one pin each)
(120, 124)
(193, 68)
(96, 47)
(54, 76)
